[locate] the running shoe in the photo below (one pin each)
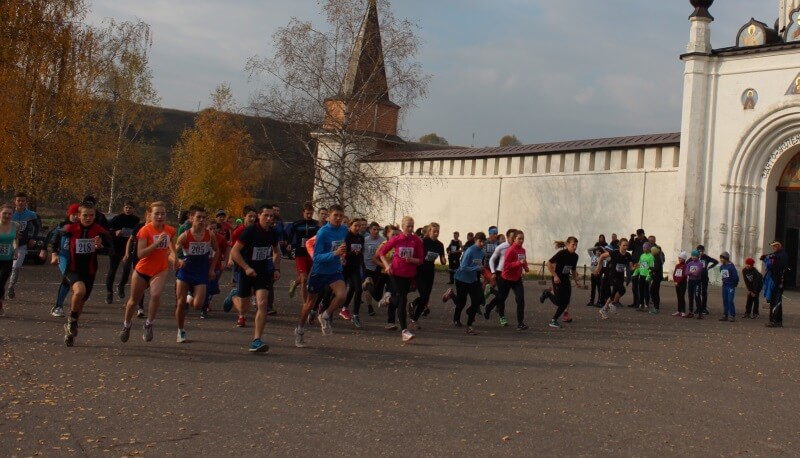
(390, 327)
(732, 319)
(555, 324)
(522, 327)
(683, 315)
(121, 292)
(227, 304)
(11, 293)
(258, 346)
(69, 339)
(615, 306)
(449, 294)
(724, 318)
(368, 284)
(471, 331)
(181, 336)
(457, 324)
(325, 325)
(385, 300)
(676, 314)
(754, 316)
(413, 326)
(57, 311)
(407, 336)
(125, 334)
(503, 321)
(699, 316)
(109, 298)
(241, 322)
(689, 315)
(140, 313)
(147, 335)
(345, 314)
(357, 322)
(543, 296)
(775, 324)
(203, 314)
(487, 291)
(654, 311)
(71, 328)
(603, 314)
(298, 338)
(292, 288)
(370, 311)
(271, 311)
(746, 315)
(567, 318)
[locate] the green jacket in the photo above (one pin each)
(646, 261)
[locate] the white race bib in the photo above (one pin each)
(336, 244)
(405, 252)
(566, 270)
(163, 244)
(198, 248)
(693, 269)
(431, 256)
(260, 253)
(679, 272)
(643, 264)
(725, 274)
(84, 246)
(6, 249)
(355, 247)
(620, 267)
(22, 225)
(521, 258)
(477, 262)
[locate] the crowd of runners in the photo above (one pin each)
(342, 264)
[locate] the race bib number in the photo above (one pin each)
(521, 258)
(693, 270)
(643, 264)
(198, 248)
(355, 247)
(261, 253)
(126, 232)
(336, 244)
(477, 262)
(490, 247)
(725, 274)
(431, 256)
(84, 246)
(405, 252)
(679, 272)
(22, 225)
(162, 245)
(453, 248)
(5, 249)
(371, 250)
(566, 270)
(620, 267)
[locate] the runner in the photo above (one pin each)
(679, 278)
(373, 280)
(85, 238)
(201, 254)
(468, 284)
(60, 256)
(212, 289)
(322, 218)
(121, 227)
(454, 251)
(432, 249)
(8, 249)
(562, 265)
(155, 251)
(298, 236)
(258, 255)
(28, 227)
(514, 264)
(754, 282)
(496, 267)
(353, 263)
(408, 254)
(233, 300)
(326, 271)
(619, 262)
(642, 275)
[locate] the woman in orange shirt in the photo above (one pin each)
(155, 248)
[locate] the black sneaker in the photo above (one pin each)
(203, 314)
(457, 324)
(109, 298)
(271, 311)
(522, 327)
(773, 324)
(543, 296)
(70, 331)
(426, 312)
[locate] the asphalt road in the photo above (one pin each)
(636, 384)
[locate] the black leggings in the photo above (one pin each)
(352, 278)
(5, 272)
(596, 281)
(562, 293)
(519, 296)
(643, 289)
(499, 300)
(680, 291)
(114, 263)
(424, 288)
(694, 296)
(655, 292)
(475, 294)
(401, 286)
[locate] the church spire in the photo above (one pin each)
(366, 70)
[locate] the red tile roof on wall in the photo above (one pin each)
(598, 144)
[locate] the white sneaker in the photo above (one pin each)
(57, 311)
(603, 314)
(298, 339)
(407, 336)
(387, 297)
(612, 307)
(181, 336)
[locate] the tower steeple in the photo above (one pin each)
(363, 103)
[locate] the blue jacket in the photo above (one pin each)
(730, 277)
(325, 262)
(471, 265)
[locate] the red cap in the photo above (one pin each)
(750, 261)
(72, 210)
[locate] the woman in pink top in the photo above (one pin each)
(407, 256)
(514, 264)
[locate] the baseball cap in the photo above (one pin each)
(750, 262)
(725, 255)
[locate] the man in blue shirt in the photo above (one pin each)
(29, 227)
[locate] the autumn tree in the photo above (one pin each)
(433, 139)
(509, 140)
(331, 84)
(212, 164)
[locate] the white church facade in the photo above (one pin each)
(730, 180)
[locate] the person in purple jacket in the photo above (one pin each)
(694, 275)
(730, 280)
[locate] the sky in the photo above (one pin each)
(542, 70)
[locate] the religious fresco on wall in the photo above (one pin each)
(794, 88)
(751, 35)
(749, 98)
(793, 29)
(790, 178)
